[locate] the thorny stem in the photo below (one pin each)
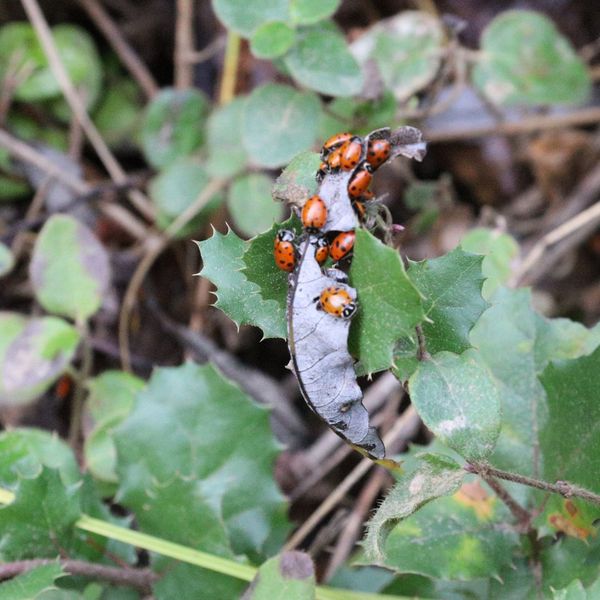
(523, 517)
(422, 353)
(140, 579)
(564, 488)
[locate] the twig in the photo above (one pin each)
(124, 51)
(585, 116)
(564, 488)
(230, 66)
(155, 244)
(114, 169)
(256, 383)
(523, 516)
(355, 521)
(87, 361)
(184, 44)
(395, 437)
(422, 353)
(140, 579)
(582, 224)
(198, 56)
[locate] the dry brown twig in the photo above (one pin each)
(393, 440)
(40, 25)
(184, 44)
(124, 51)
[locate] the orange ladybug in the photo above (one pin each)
(359, 209)
(314, 214)
(350, 153)
(335, 141)
(322, 251)
(360, 181)
(337, 302)
(342, 245)
(284, 250)
(378, 151)
(334, 160)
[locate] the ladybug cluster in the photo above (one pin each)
(341, 152)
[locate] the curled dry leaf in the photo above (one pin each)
(318, 344)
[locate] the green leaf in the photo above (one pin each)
(30, 584)
(260, 267)
(451, 288)
(389, 305)
(500, 249)
(236, 296)
(459, 400)
(244, 17)
(112, 394)
(407, 50)
(178, 186)
(297, 181)
(307, 12)
(226, 156)
(173, 125)
(278, 123)
(272, 39)
(570, 436)
(25, 452)
(289, 576)
(100, 452)
(576, 591)
(425, 478)
(33, 354)
(20, 50)
(69, 269)
(250, 204)
(464, 536)
(209, 483)
(118, 113)
(517, 344)
(321, 61)
(7, 260)
(39, 522)
(525, 60)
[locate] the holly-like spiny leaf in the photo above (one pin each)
(390, 305)
(238, 297)
(32, 584)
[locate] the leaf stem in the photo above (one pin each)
(87, 360)
(523, 516)
(422, 353)
(564, 488)
(230, 67)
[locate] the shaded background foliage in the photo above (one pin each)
(205, 144)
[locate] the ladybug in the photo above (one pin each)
(334, 160)
(378, 151)
(350, 153)
(342, 245)
(322, 251)
(337, 301)
(359, 209)
(322, 171)
(284, 250)
(314, 214)
(360, 181)
(335, 141)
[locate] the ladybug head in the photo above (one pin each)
(286, 235)
(349, 310)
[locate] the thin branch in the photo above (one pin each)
(198, 56)
(124, 51)
(114, 169)
(564, 488)
(523, 516)
(395, 437)
(155, 244)
(87, 362)
(582, 224)
(140, 579)
(230, 67)
(585, 116)
(184, 44)
(422, 353)
(120, 215)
